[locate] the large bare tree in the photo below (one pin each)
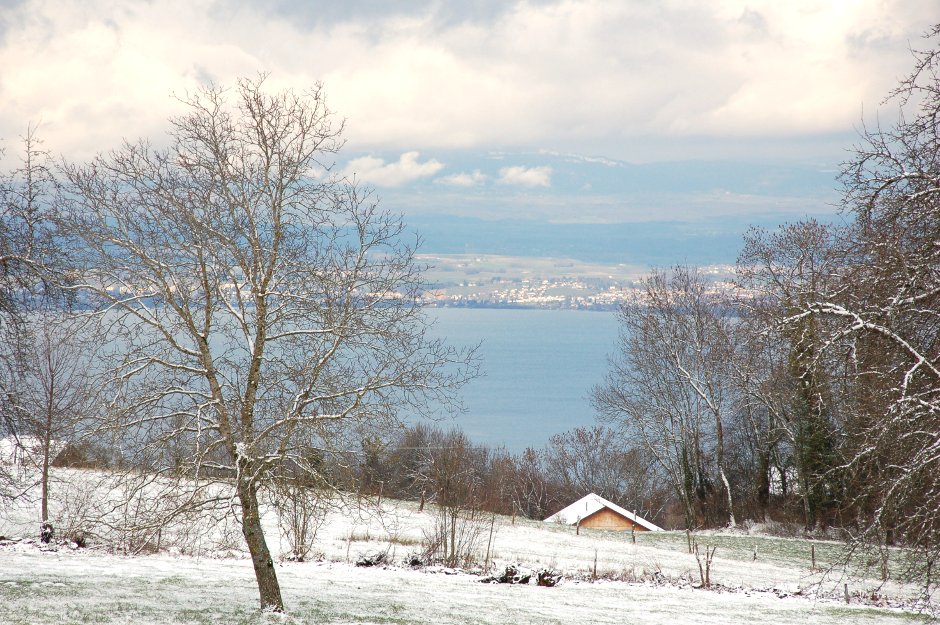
(782, 272)
(259, 310)
(858, 308)
(670, 384)
(885, 311)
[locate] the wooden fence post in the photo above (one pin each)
(486, 564)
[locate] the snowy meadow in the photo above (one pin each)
(200, 573)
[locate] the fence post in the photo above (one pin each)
(812, 553)
(486, 564)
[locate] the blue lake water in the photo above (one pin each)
(539, 365)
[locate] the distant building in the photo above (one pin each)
(595, 512)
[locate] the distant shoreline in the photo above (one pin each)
(512, 306)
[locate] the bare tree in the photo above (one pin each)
(27, 260)
(759, 448)
(27, 243)
(531, 490)
(455, 473)
(53, 388)
(885, 313)
(599, 460)
(301, 507)
(261, 311)
(859, 310)
(783, 272)
(670, 386)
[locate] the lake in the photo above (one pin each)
(539, 366)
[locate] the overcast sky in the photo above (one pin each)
(424, 84)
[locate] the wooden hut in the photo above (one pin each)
(595, 512)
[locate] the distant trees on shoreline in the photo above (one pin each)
(429, 463)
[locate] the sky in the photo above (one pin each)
(558, 110)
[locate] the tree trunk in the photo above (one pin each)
(731, 520)
(46, 452)
(808, 508)
(44, 506)
(266, 576)
(762, 482)
(720, 451)
(453, 537)
(687, 489)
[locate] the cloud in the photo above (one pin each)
(582, 76)
(376, 171)
(463, 179)
(526, 176)
(580, 158)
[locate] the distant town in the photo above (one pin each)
(471, 281)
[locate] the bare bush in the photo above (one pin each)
(457, 536)
(301, 511)
(455, 474)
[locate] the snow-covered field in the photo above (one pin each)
(69, 585)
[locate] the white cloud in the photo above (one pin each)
(583, 76)
(526, 176)
(406, 169)
(463, 179)
(580, 158)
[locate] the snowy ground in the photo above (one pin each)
(68, 585)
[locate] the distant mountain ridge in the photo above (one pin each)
(655, 243)
(553, 204)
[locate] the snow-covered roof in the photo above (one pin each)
(589, 504)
